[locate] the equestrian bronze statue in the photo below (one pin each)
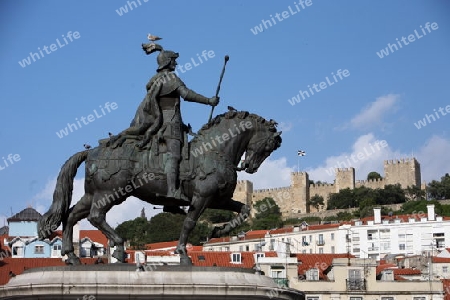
(153, 161)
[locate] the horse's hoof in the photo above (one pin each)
(185, 260)
(119, 255)
(73, 261)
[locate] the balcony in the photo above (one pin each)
(281, 282)
(373, 249)
(356, 284)
(320, 243)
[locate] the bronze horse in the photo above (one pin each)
(209, 180)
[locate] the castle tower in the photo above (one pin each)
(345, 178)
(403, 171)
(300, 190)
(244, 192)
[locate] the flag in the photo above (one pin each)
(301, 153)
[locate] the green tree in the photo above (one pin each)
(166, 227)
(439, 190)
(136, 231)
(316, 201)
(341, 200)
(373, 176)
(268, 214)
(414, 193)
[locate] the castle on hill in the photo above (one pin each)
(292, 199)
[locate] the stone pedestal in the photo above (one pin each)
(123, 281)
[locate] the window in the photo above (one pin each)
(304, 242)
(236, 258)
(247, 248)
(387, 298)
(401, 246)
(312, 298)
(419, 298)
(312, 274)
(445, 269)
(332, 236)
(320, 250)
(241, 248)
(258, 255)
(355, 298)
(201, 258)
(17, 251)
(320, 242)
(303, 251)
(39, 249)
(56, 250)
(332, 249)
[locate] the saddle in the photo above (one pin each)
(128, 154)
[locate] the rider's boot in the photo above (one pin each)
(172, 178)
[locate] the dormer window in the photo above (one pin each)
(236, 258)
(312, 274)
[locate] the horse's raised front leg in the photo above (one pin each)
(198, 205)
(233, 205)
(78, 212)
(97, 217)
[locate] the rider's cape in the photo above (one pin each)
(148, 115)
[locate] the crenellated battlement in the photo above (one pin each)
(318, 185)
(344, 169)
(376, 180)
(279, 189)
(298, 173)
(400, 161)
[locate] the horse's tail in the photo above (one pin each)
(62, 196)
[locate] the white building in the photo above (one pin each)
(378, 236)
(372, 237)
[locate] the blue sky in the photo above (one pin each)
(381, 99)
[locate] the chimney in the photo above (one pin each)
(376, 215)
(430, 209)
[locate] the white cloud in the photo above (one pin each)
(434, 158)
(367, 154)
(372, 115)
(128, 210)
(271, 173)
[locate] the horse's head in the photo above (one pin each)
(265, 140)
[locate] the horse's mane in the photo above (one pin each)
(232, 114)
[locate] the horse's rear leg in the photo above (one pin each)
(78, 212)
(233, 205)
(198, 205)
(97, 217)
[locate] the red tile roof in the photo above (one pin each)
(161, 245)
(18, 265)
(323, 226)
(223, 259)
(382, 267)
(219, 240)
(407, 271)
(255, 234)
(94, 236)
(282, 230)
(319, 261)
(441, 260)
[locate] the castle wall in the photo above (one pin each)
(323, 190)
(371, 184)
(292, 199)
